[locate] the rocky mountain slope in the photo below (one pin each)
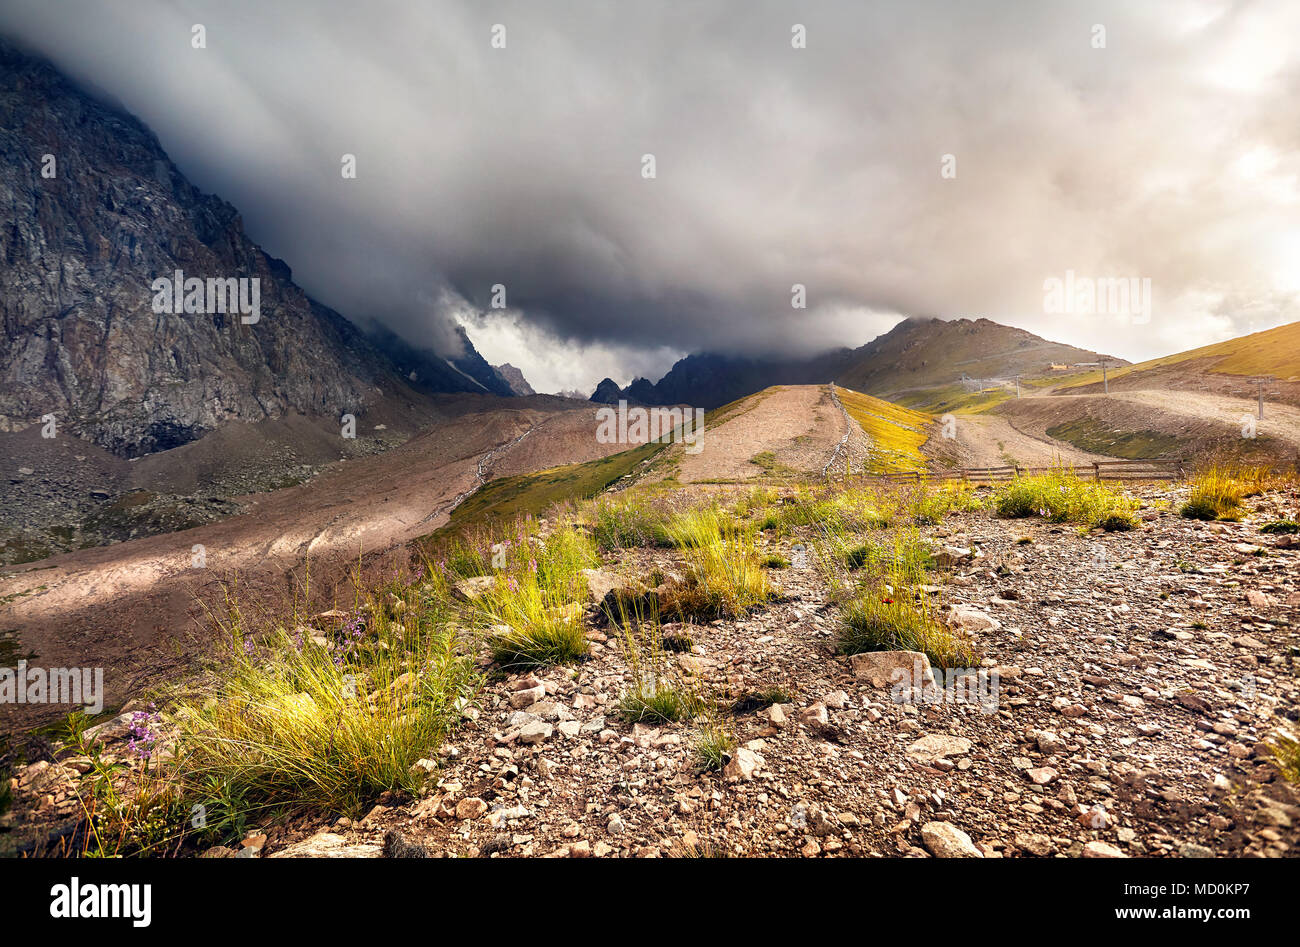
(95, 213)
(916, 353)
(515, 379)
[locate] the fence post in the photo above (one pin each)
(1096, 471)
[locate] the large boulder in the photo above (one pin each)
(475, 587)
(886, 668)
(937, 747)
(944, 840)
(967, 618)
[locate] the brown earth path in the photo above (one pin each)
(988, 440)
(798, 424)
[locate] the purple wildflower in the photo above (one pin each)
(143, 736)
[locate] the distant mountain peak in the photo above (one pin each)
(515, 379)
(919, 351)
(607, 392)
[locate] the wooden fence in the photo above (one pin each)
(1157, 469)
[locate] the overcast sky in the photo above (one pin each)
(1171, 153)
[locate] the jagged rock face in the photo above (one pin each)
(607, 392)
(642, 391)
(78, 254)
(515, 379)
(426, 370)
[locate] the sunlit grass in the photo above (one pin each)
(896, 433)
(286, 721)
(533, 613)
(1059, 496)
(627, 520)
(1284, 745)
(886, 618)
(725, 571)
(1217, 492)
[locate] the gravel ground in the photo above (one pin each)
(1138, 674)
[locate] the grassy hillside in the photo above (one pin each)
(1271, 352)
(507, 497)
(954, 398)
(932, 353)
(1096, 437)
(897, 432)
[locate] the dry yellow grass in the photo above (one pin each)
(1271, 352)
(897, 433)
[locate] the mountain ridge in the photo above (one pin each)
(916, 353)
(98, 212)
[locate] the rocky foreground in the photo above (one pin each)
(1137, 675)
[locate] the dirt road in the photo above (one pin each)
(795, 427)
(988, 440)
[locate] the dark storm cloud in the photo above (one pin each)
(1171, 154)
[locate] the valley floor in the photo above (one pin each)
(1139, 674)
(139, 608)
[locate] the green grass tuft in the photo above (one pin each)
(1061, 497)
(877, 620)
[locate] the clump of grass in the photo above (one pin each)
(701, 848)
(1059, 496)
(1217, 493)
(758, 699)
(1281, 527)
(808, 507)
(857, 509)
(658, 692)
(880, 619)
(1120, 521)
(659, 702)
(1284, 745)
(855, 557)
(713, 746)
(532, 614)
(628, 520)
(725, 572)
(902, 557)
(931, 505)
(757, 500)
(775, 561)
(538, 642)
(283, 721)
